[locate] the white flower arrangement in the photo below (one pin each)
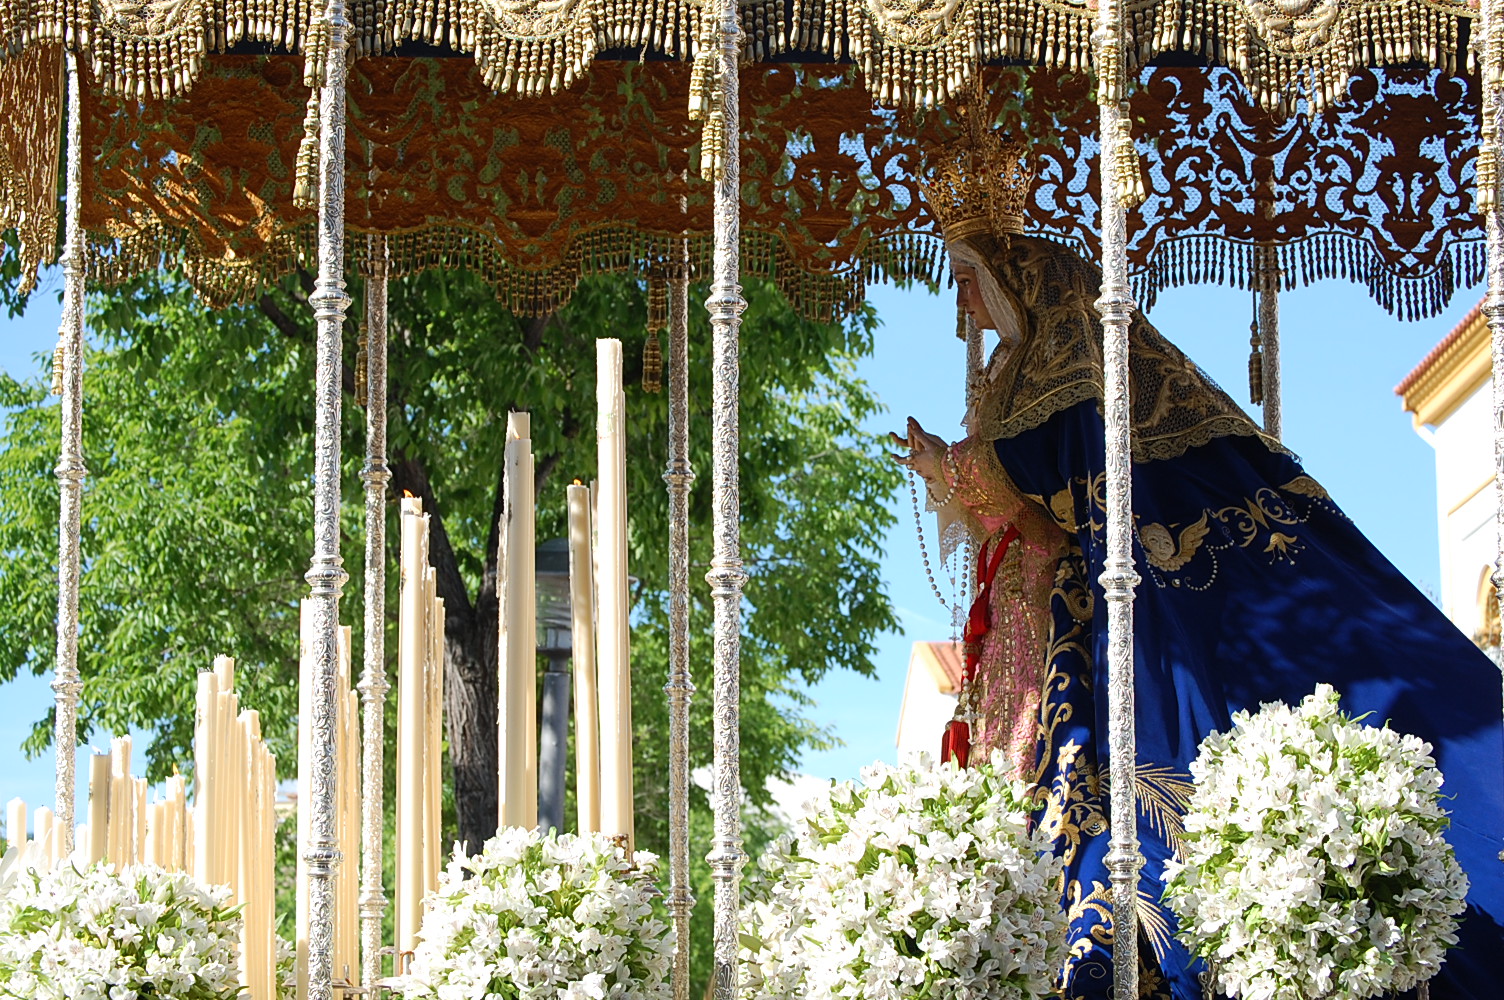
(1314, 858)
(539, 917)
(98, 934)
(924, 882)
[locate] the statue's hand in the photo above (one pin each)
(925, 453)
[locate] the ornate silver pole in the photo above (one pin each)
(70, 471)
(373, 683)
(726, 576)
(1269, 281)
(1118, 578)
(679, 475)
(326, 576)
(1490, 149)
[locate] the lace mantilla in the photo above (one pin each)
(1058, 364)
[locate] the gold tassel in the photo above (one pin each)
(1488, 179)
(652, 364)
(705, 98)
(306, 175)
(657, 303)
(362, 374)
(1256, 365)
(58, 353)
(1130, 174)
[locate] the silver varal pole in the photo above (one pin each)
(326, 576)
(373, 682)
(70, 471)
(679, 476)
(1489, 154)
(1118, 578)
(726, 576)
(1269, 282)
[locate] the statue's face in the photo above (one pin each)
(969, 297)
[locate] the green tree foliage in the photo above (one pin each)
(198, 431)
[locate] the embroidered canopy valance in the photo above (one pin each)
(535, 192)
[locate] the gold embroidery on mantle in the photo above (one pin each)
(1168, 552)
(1306, 486)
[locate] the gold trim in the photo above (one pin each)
(1459, 370)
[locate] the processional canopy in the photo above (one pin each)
(534, 167)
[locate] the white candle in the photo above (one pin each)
(411, 653)
(15, 823)
(519, 633)
(99, 806)
(614, 673)
(587, 761)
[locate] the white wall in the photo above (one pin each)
(1465, 506)
(926, 710)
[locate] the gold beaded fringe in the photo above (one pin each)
(934, 59)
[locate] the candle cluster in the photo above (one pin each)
(234, 822)
(225, 838)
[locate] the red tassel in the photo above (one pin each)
(955, 743)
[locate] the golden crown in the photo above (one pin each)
(978, 183)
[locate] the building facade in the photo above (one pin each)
(1449, 396)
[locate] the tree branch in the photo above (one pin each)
(296, 332)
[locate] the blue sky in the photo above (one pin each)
(1342, 358)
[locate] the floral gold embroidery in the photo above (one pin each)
(1282, 547)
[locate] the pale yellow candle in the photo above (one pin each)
(15, 823)
(614, 669)
(347, 947)
(142, 814)
(122, 841)
(177, 844)
(154, 824)
(433, 759)
(228, 787)
(42, 833)
(587, 761)
(306, 682)
(266, 790)
(248, 725)
(519, 633)
(411, 653)
(204, 755)
(99, 807)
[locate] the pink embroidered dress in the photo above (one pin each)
(1017, 546)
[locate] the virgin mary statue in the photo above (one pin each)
(1255, 587)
